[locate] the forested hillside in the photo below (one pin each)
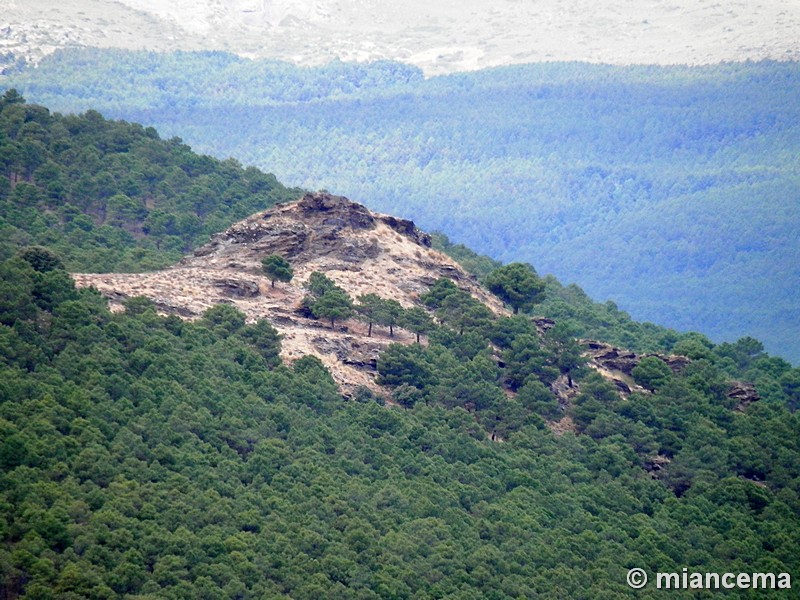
(151, 457)
(110, 195)
(671, 190)
(113, 196)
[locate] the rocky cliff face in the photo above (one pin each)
(617, 364)
(362, 251)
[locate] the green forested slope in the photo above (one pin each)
(672, 190)
(110, 195)
(147, 457)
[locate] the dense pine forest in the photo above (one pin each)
(671, 190)
(151, 457)
(110, 195)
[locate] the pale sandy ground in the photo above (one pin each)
(440, 37)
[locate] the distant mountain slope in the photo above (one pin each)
(441, 37)
(672, 191)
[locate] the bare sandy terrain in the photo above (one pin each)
(440, 37)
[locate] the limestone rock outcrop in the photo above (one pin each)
(624, 361)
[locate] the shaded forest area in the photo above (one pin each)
(672, 190)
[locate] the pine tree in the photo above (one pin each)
(277, 268)
(517, 285)
(418, 320)
(333, 304)
(369, 306)
(389, 314)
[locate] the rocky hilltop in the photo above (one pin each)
(362, 251)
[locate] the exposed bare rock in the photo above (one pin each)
(362, 251)
(624, 361)
(167, 308)
(351, 350)
(656, 464)
(562, 426)
(408, 228)
(610, 358)
(317, 226)
(335, 212)
(614, 364)
(259, 234)
(617, 365)
(744, 394)
(622, 387)
(237, 288)
(564, 392)
(675, 362)
(451, 272)
(543, 324)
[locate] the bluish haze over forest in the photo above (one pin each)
(672, 190)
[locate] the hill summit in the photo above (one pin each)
(361, 251)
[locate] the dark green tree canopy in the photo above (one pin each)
(224, 318)
(110, 195)
(517, 285)
(265, 339)
(143, 456)
(527, 358)
(434, 297)
(368, 307)
(319, 283)
(461, 311)
(151, 457)
(417, 320)
(652, 372)
(333, 305)
(326, 300)
(41, 259)
(277, 268)
(410, 365)
(390, 313)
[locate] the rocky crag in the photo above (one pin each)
(362, 251)
(617, 366)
